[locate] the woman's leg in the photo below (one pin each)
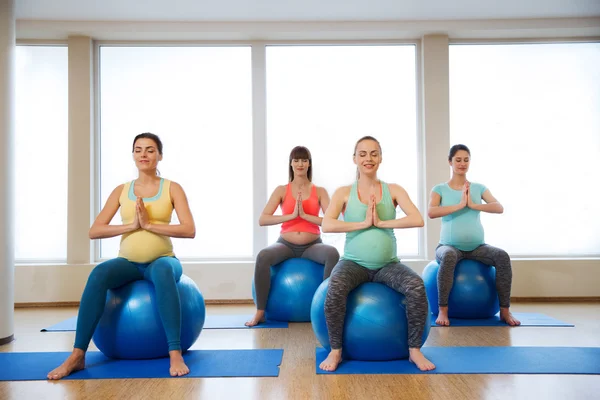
(107, 275)
(323, 254)
(345, 277)
(447, 257)
(493, 256)
(164, 273)
(406, 281)
(271, 255)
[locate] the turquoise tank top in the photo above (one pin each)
(373, 247)
(461, 229)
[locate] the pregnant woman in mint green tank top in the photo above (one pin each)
(369, 207)
(459, 202)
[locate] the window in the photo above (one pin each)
(41, 153)
(326, 98)
(198, 100)
(530, 115)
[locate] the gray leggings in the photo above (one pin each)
(449, 256)
(283, 250)
(347, 275)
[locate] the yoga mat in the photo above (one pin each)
(237, 322)
(63, 326)
(527, 319)
(202, 364)
(211, 322)
(482, 360)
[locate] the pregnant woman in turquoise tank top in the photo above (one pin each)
(459, 202)
(369, 207)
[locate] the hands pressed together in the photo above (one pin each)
(141, 219)
(466, 200)
(299, 210)
(372, 218)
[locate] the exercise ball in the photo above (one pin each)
(293, 284)
(131, 328)
(473, 293)
(375, 327)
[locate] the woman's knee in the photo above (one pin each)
(333, 256)
(264, 259)
(338, 286)
(448, 258)
(502, 258)
(417, 287)
(102, 272)
(165, 268)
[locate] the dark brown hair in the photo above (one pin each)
(151, 136)
(454, 149)
(300, 153)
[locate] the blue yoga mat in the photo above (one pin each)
(202, 364)
(482, 360)
(211, 322)
(527, 319)
(237, 322)
(63, 326)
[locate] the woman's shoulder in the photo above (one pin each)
(478, 186)
(440, 186)
(394, 187)
(319, 189)
(119, 188)
(280, 190)
(172, 186)
(344, 190)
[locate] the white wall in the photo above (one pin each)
(531, 278)
(232, 280)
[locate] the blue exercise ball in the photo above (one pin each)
(375, 328)
(473, 294)
(293, 284)
(131, 328)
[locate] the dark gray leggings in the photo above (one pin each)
(347, 275)
(449, 256)
(281, 251)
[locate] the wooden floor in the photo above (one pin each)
(297, 378)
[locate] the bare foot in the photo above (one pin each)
(507, 317)
(442, 318)
(257, 319)
(178, 367)
(332, 361)
(75, 362)
(416, 357)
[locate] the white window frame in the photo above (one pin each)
(48, 261)
(259, 129)
(500, 42)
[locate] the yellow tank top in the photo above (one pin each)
(142, 246)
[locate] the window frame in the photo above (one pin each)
(44, 43)
(259, 134)
(531, 41)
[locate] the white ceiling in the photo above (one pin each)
(300, 10)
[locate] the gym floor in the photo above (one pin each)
(297, 378)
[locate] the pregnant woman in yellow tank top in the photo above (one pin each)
(146, 252)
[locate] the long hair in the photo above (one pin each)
(300, 153)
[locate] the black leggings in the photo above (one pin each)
(449, 256)
(347, 275)
(283, 250)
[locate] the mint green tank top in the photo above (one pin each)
(373, 247)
